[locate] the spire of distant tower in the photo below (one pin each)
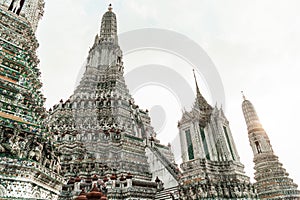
(251, 117)
(254, 126)
(197, 88)
(243, 95)
(272, 179)
(202, 104)
(200, 100)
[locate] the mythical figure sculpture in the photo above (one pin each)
(226, 192)
(36, 152)
(246, 192)
(201, 193)
(236, 192)
(2, 149)
(23, 152)
(57, 166)
(15, 147)
(212, 192)
(220, 191)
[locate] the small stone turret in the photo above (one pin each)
(272, 180)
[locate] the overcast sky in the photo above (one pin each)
(254, 45)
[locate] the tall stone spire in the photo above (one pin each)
(272, 181)
(102, 130)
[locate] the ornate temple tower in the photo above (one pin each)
(211, 164)
(101, 131)
(28, 161)
(272, 180)
(216, 147)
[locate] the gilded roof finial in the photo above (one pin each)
(243, 95)
(109, 7)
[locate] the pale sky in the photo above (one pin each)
(254, 45)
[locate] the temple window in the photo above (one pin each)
(258, 148)
(189, 144)
(205, 146)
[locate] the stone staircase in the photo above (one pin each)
(168, 165)
(167, 194)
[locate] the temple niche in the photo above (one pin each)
(16, 6)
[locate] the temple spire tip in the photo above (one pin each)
(243, 95)
(110, 7)
(195, 78)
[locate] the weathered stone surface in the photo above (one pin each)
(29, 161)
